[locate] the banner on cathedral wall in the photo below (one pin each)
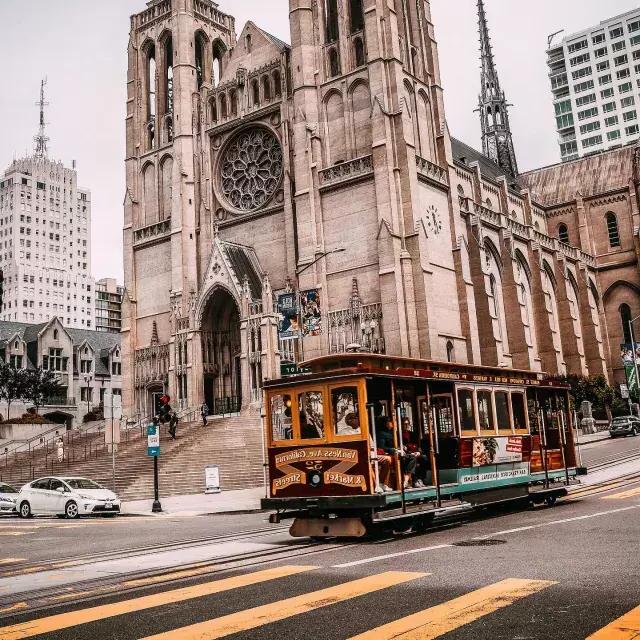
(310, 312)
(289, 328)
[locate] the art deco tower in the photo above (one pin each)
(497, 140)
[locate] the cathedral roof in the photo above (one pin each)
(589, 176)
(464, 154)
(281, 44)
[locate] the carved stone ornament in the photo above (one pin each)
(251, 169)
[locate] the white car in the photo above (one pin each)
(66, 497)
(7, 498)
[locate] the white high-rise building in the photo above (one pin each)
(595, 81)
(45, 241)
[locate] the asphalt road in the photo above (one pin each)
(562, 572)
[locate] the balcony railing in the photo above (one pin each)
(152, 232)
(346, 171)
(432, 171)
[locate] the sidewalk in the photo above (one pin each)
(593, 437)
(241, 501)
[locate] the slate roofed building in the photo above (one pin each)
(87, 363)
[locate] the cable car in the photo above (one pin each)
(360, 442)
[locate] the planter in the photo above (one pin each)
(19, 432)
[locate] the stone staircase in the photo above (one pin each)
(233, 443)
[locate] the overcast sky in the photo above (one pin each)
(80, 45)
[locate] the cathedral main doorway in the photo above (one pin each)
(221, 347)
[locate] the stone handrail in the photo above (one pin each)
(487, 215)
(432, 171)
(345, 171)
(152, 231)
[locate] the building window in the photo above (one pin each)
(331, 20)
(358, 50)
(563, 233)
(356, 15)
(625, 319)
(334, 63)
(613, 135)
(612, 229)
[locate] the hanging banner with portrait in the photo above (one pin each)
(289, 327)
(310, 312)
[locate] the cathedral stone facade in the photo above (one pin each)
(257, 168)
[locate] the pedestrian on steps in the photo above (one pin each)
(204, 412)
(173, 425)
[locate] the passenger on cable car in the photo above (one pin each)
(386, 450)
(413, 460)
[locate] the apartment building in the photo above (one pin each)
(595, 83)
(109, 295)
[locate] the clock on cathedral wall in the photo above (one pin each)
(250, 169)
(433, 219)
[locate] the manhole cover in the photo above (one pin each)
(479, 543)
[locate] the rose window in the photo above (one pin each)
(251, 169)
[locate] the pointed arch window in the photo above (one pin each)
(358, 52)
(213, 110)
(218, 54)
(563, 233)
(356, 15)
(151, 95)
(612, 229)
(334, 63)
(233, 103)
(277, 84)
(331, 20)
(625, 319)
(223, 106)
(200, 44)
(255, 92)
(266, 88)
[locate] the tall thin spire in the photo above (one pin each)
(497, 140)
(41, 139)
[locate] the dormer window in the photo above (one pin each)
(55, 334)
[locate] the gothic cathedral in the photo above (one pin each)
(323, 172)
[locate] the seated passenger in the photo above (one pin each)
(386, 449)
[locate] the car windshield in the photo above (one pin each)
(5, 488)
(621, 419)
(82, 483)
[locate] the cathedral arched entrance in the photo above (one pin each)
(221, 350)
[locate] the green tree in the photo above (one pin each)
(12, 385)
(40, 385)
(594, 389)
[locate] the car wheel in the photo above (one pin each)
(25, 510)
(71, 510)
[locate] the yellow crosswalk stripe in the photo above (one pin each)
(83, 616)
(624, 494)
(265, 614)
(4, 561)
(436, 621)
(625, 628)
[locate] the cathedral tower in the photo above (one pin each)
(497, 140)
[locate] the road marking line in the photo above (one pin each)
(622, 495)
(92, 614)
(268, 613)
(16, 533)
(625, 628)
(12, 560)
(436, 621)
(355, 563)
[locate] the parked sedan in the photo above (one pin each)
(624, 426)
(66, 497)
(7, 498)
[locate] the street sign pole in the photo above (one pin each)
(153, 450)
(157, 507)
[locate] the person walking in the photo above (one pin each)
(204, 412)
(173, 425)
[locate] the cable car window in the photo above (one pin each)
(346, 414)
(518, 411)
(502, 411)
(444, 414)
(467, 411)
(485, 411)
(310, 406)
(281, 422)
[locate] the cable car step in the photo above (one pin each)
(448, 508)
